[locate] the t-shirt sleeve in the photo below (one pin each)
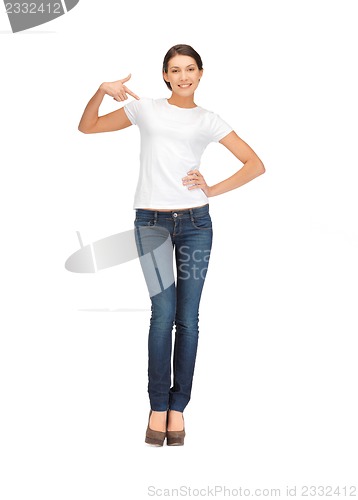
(132, 110)
(218, 128)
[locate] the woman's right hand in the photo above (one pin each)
(118, 90)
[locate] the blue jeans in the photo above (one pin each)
(191, 234)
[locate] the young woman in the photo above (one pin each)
(172, 194)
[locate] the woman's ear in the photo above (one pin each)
(165, 76)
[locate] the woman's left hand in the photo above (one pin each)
(195, 180)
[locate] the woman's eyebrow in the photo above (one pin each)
(171, 67)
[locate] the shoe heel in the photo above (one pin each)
(155, 438)
(175, 438)
(154, 441)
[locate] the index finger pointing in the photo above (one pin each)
(131, 93)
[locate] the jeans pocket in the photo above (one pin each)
(202, 222)
(144, 222)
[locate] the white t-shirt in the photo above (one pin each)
(173, 140)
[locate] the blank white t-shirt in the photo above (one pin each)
(173, 140)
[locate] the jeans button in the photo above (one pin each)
(175, 214)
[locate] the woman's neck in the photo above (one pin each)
(182, 102)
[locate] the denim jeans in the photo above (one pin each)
(191, 234)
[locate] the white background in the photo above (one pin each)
(274, 397)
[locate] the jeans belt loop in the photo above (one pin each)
(155, 216)
(191, 214)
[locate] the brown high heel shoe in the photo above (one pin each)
(153, 437)
(175, 438)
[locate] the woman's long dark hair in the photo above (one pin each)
(183, 50)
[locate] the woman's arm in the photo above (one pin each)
(253, 167)
(91, 123)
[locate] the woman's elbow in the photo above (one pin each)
(84, 130)
(261, 168)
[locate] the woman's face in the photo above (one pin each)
(183, 75)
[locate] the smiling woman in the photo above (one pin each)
(172, 194)
(183, 72)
